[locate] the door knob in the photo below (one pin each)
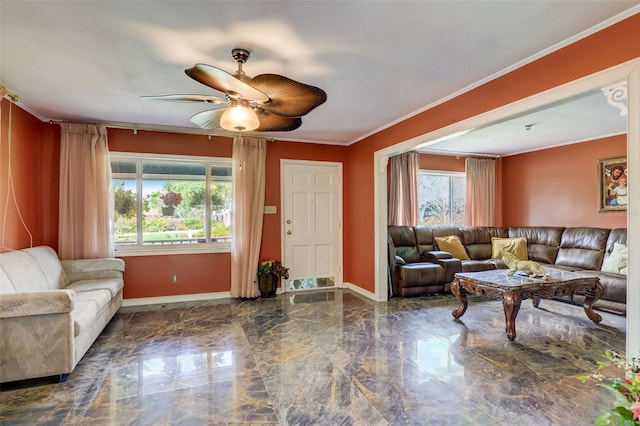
(288, 232)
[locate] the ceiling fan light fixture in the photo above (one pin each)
(239, 118)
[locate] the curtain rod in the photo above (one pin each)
(460, 154)
(12, 96)
(163, 129)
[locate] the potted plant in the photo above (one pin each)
(269, 273)
(171, 200)
(627, 391)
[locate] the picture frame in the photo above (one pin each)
(613, 196)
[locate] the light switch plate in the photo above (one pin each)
(270, 210)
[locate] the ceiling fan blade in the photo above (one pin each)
(187, 98)
(209, 119)
(276, 123)
(288, 97)
(225, 82)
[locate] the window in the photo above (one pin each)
(441, 198)
(168, 203)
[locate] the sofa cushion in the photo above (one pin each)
(404, 241)
(83, 315)
(516, 246)
(582, 247)
(112, 285)
(421, 274)
(88, 305)
(47, 260)
(477, 240)
(543, 242)
(424, 239)
(616, 262)
(453, 245)
(477, 265)
(617, 235)
(21, 273)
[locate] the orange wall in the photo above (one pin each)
(31, 152)
(149, 276)
(276, 151)
(602, 50)
(442, 163)
(559, 186)
(36, 151)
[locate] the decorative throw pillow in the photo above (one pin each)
(453, 245)
(515, 246)
(617, 260)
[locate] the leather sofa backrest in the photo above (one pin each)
(543, 242)
(444, 230)
(617, 235)
(424, 238)
(583, 247)
(404, 240)
(477, 240)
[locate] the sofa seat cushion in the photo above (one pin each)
(477, 265)
(113, 285)
(560, 268)
(421, 274)
(88, 304)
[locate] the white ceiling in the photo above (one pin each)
(378, 61)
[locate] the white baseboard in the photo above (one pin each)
(140, 301)
(177, 298)
(361, 291)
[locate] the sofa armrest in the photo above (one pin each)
(435, 255)
(36, 303)
(92, 269)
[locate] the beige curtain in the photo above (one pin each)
(84, 230)
(249, 166)
(480, 208)
(403, 189)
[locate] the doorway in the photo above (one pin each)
(312, 224)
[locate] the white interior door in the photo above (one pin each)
(312, 218)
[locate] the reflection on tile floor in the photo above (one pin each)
(329, 358)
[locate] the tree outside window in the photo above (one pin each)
(161, 201)
(441, 198)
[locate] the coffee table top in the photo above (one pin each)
(498, 278)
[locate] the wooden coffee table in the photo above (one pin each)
(514, 289)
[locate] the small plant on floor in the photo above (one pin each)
(627, 391)
(273, 267)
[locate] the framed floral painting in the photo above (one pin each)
(612, 174)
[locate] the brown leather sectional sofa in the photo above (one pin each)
(418, 267)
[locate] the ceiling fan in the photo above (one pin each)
(264, 103)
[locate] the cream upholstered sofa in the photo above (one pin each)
(52, 311)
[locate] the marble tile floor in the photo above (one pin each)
(329, 358)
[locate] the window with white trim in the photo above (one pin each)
(171, 203)
(441, 198)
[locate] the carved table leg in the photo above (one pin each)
(461, 294)
(511, 302)
(535, 300)
(590, 298)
